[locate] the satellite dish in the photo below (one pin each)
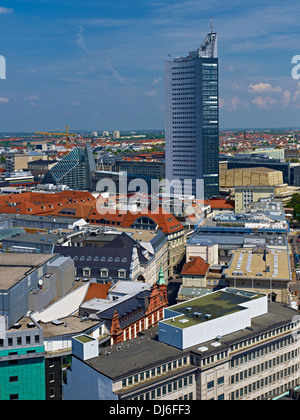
(40, 282)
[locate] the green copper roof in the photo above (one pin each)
(161, 277)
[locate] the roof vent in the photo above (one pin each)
(215, 344)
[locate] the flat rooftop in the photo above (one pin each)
(70, 325)
(24, 324)
(147, 351)
(248, 264)
(209, 306)
(14, 267)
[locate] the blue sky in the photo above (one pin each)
(99, 64)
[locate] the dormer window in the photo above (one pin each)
(122, 273)
(104, 272)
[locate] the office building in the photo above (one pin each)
(264, 268)
(192, 118)
(74, 169)
(22, 361)
(19, 274)
(225, 345)
(249, 160)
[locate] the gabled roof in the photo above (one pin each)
(38, 203)
(220, 203)
(163, 220)
(97, 290)
(196, 267)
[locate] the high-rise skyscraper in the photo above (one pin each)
(192, 118)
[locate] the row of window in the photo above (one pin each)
(211, 384)
(263, 366)
(165, 390)
(267, 381)
(187, 107)
(210, 359)
(20, 341)
(152, 373)
(183, 84)
(183, 78)
(181, 101)
(264, 350)
(89, 258)
(185, 89)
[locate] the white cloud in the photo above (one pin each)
(115, 74)
(234, 102)
(286, 97)
(264, 102)
(156, 80)
(4, 100)
(264, 87)
(32, 98)
(152, 92)
(5, 10)
(80, 41)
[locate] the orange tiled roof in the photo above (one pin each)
(36, 203)
(164, 220)
(221, 203)
(97, 290)
(196, 267)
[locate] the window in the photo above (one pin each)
(221, 380)
(122, 273)
(52, 392)
(13, 379)
(210, 384)
(86, 272)
(104, 273)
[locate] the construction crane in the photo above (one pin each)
(66, 134)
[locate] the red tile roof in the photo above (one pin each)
(97, 290)
(196, 267)
(36, 203)
(82, 204)
(221, 203)
(164, 220)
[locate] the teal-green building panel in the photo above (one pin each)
(28, 376)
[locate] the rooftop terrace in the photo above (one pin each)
(209, 307)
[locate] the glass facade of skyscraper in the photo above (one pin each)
(192, 119)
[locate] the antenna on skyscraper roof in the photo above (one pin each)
(211, 25)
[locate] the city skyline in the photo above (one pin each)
(102, 66)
